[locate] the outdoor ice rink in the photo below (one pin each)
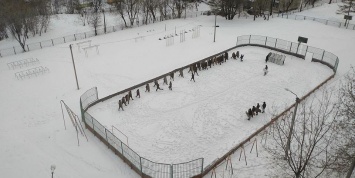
(206, 118)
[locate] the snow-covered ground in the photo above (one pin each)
(206, 118)
(33, 135)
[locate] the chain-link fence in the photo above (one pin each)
(79, 36)
(296, 49)
(141, 165)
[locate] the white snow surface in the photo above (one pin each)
(206, 115)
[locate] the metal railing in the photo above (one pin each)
(195, 168)
(143, 166)
(79, 36)
(292, 48)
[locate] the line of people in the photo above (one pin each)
(255, 110)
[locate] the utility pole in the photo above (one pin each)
(215, 23)
(76, 78)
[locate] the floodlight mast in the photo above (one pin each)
(288, 144)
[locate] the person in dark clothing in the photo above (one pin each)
(158, 88)
(257, 109)
(192, 77)
(124, 101)
(138, 94)
(234, 56)
(165, 81)
(181, 74)
(120, 105)
(266, 70)
(147, 88)
(127, 98)
(237, 54)
(172, 76)
(170, 86)
(155, 83)
(253, 110)
(263, 107)
(130, 95)
(250, 114)
(225, 56)
(241, 57)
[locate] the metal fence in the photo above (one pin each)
(292, 48)
(195, 168)
(79, 36)
(323, 21)
(143, 166)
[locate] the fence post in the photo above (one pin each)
(265, 41)
(64, 39)
(171, 171)
(0, 53)
(291, 47)
(339, 24)
(202, 166)
(304, 17)
(85, 34)
(249, 38)
(295, 17)
(113, 28)
(74, 37)
(52, 42)
(93, 126)
(122, 148)
(275, 42)
(106, 135)
(14, 49)
(306, 50)
(323, 54)
(40, 44)
(140, 162)
(28, 49)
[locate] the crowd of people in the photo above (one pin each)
(194, 68)
(255, 110)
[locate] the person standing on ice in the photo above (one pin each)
(192, 77)
(124, 101)
(130, 94)
(263, 106)
(181, 73)
(250, 114)
(241, 57)
(147, 88)
(170, 86)
(120, 105)
(158, 88)
(138, 94)
(266, 70)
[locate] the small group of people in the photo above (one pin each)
(125, 99)
(255, 110)
(236, 56)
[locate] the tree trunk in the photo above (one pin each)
(351, 169)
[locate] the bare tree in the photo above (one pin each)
(225, 8)
(310, 152)
(121, 6)
(95, 20)
(346, 125)
(132, 9)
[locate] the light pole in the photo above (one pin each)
(215, 24)
(292, 124)
(52, 169)
(72, 58)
